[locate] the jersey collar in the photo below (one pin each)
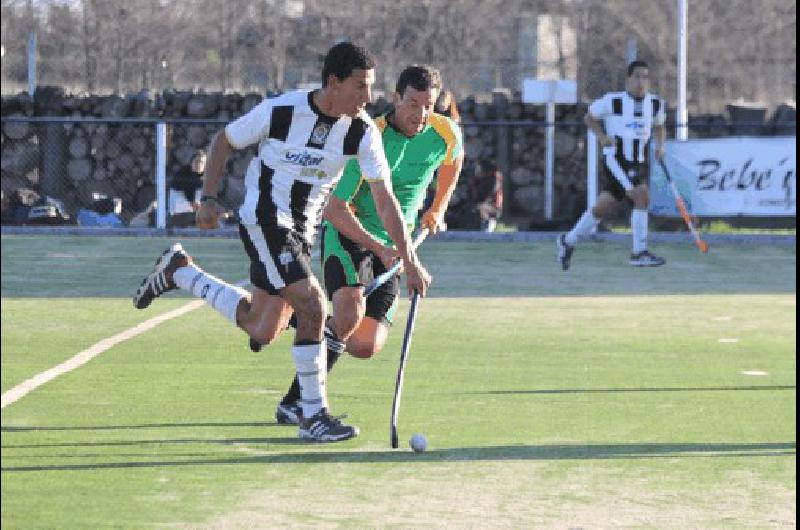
(634, 97)
(398, 131)
(322, 116)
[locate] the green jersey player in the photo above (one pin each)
(356, 246)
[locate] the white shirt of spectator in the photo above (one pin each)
(301, 156)
(179, 203)
(630, 121)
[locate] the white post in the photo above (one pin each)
(549, 158)
(682, 127)
(591, 169)
(31, 63)
(161, 175)
(631, 50)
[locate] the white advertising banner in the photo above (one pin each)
(728, 177)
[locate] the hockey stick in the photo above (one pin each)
(398, 386)
(386, 276)
(702, 245)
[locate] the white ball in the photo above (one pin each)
(418, 443)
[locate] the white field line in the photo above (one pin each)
(19, 391)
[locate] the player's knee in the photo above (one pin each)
(598, 212)
(366, 344)
(641, 198)
(348, 310)
(349, 316)
(311, 308)
(266, 334)
(363, 349)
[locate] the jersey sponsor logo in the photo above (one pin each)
(637, 127)
(313, 173)
(320, 133)
(285, 258)
(303, 158)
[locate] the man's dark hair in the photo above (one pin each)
(418, 77)
(636, 64)
(343, 58)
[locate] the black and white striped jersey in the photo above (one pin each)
(301, 155)
(630, 121)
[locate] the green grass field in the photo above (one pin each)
(604, 397)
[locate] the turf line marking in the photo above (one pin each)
(21, 390)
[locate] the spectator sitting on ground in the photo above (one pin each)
(104, 211)
(185, 190)
(486, 191)
(18, 204)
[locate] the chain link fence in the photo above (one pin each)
(102, 172)
(108, 165)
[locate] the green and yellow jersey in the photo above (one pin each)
(413, 162)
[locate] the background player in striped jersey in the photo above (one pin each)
(305, 139)
(623, 122)
(417, 141)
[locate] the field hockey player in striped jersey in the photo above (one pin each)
(417, 142)
(304, 139)
(623, 122)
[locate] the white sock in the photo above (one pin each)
(585, 225)
(639, 230)
(310, 360)
(220, 295)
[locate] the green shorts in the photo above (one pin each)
(345, 264)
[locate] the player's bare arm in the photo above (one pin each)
(433, 218)
(596, 126)
(392, 217)
(660, 133)
(342, 218)
(220, 151)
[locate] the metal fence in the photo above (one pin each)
(110, 171)
(86, 164)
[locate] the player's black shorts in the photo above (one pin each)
(278, 256)
(637, 173)
(345, 264)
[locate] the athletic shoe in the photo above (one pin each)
(160, 280)
(289, 413)
(645, 259)
(322, 427)
(565, 251)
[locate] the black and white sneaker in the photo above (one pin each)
(322, 427)
(289, 413)
(565, 251)
(645, 259)
(160, 280)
